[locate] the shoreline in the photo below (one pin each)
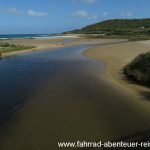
(46, 44)
(37, 48)
(107, 51)
(39, 43)
(115, 57)
(110, 113)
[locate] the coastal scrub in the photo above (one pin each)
(139, 69)
(7, 47)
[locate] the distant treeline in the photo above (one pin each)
(117, 27)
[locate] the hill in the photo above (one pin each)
(117, 27)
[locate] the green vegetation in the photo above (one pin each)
(139, 69)
(130, 28)
(6, 47)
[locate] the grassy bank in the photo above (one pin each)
(130, 38)
(6, 47)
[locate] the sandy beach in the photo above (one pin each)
(52, 43)
(40, 44)
(70, 98)
(74, 75)
(115, 53)
(115, 57)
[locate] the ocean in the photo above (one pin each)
(18, 36)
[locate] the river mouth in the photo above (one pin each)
(71, 102)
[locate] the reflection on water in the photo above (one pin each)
(67, 100)
(19, 76)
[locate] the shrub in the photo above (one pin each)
(139, 69)
(4, 44)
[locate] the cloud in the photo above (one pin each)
(86, 1)
(33, 13)
(104, 14)
(26, 25)
(93, 17)
(14, 11)
(80, 14)
(84, 14)
(127, 14)
(11, 11)
(17, 12)
(89, 1)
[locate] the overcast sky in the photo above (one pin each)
(54, 16)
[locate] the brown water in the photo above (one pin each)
(66, 100)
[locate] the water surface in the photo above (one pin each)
(66, 99)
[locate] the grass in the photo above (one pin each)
(129, 37)
(6, 47)
(139, 38)
(139, 69)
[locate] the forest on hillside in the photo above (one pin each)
(117, 27)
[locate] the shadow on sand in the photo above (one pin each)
(145, 94)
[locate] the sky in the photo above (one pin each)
(56, 16)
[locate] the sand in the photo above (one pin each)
(74, 104)
(52, 43)
(40, 44)
(115, 57)
(86, 108)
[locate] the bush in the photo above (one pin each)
(4, 44)
(6, 47)
(139, 69)
(13, 45)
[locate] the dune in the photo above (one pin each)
(115, 57)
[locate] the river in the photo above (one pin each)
(59, 95)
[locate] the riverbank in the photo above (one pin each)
(66, 99)
(38, 44)
(115, 57)
(52, 43)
